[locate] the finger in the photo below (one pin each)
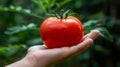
(82, 46)
(74, 50)
(86, 35)
(37, 47)
(88, 40)
(93, 34)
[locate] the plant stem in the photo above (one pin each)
(63, 14)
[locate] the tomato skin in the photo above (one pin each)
(57, 33)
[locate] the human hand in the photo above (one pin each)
(40, 56)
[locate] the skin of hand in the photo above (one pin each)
(40, 56)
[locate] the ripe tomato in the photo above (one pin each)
(57, 33)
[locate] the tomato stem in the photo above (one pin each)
(57, 15)
(63, 14)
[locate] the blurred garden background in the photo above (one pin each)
(20, 21)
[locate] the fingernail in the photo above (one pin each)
(94, 34)
(96, 31)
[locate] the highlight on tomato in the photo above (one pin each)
(61, 31)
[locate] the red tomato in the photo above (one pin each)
(57, 33)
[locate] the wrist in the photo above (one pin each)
(21, 63)
(33, 62)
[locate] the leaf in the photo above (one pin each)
(42, 5)
(62, 3)
(89, 25)
(94, 23)
(17, 29)
(19, 9)
(118, 42)
(105, 33)
(34, 41)
(101, 49)
(10, 50)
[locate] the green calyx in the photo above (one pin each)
(63, 14)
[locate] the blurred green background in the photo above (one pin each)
(20, 21)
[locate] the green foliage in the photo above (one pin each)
(45, 6)
(10, 50)
(104, 33)
(20, 22)
(18, 29)
(101, 49)
(96, 25)
(19, 9)
(14, 9)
